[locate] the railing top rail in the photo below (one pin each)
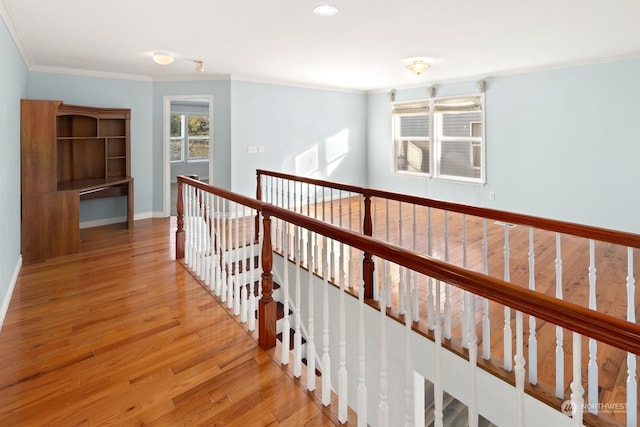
(313, 181)
(602, 327)
(569, 228)
(234, 197)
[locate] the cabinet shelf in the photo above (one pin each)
(69, 153)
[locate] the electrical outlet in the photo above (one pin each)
(492, 195)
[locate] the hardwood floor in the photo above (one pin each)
(121, 334)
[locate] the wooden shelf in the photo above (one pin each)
(81, 152)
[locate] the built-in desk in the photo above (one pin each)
(69, 153)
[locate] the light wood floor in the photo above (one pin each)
(121, 334)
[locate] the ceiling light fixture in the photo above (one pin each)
(418, 66)
(199, 66)
(325, 10)
(162, 58)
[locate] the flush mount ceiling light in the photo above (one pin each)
(199, 66)
(325, 10)
(162, 58)
(418, 66)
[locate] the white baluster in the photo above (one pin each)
(218, 255)
(297, 336)
(401, 289)
(577, 401)
(519, 370)
(559, 333)
(251, 286)
(311, 346)
(326, 359)
(188, 225)
(473, 361)
(465, 295)
(383, 406)
(244, 301)
(408, 361)
(362, 386)
(236, 296)
(430, 321)
(486, 322)
(447, 288)
(224, 238)
(437, 378)
(286, 344)
(388, 267)
(592, 385)
(632, 385)
(208, 237)
(342, 370)
(508, 334)
(533, 342)
(414, 275)
(350, 251)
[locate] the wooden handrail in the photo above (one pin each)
(602, 327)
(569, 228)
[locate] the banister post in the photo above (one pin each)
(258, 198)
(180, 230)
(266, 305)
(368, 266)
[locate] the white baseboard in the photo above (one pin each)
(7, 298)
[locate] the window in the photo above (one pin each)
(411, 137)
(456, 150)
(189, 137)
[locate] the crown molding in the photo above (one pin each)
(275, 82)
(88, 73)
(9, 20)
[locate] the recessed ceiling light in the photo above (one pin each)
(325, 10)
(162, 58)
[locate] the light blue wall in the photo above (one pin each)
(326, 128)
(561, 144)
(13, 87)
(220, 129)
(115, 93)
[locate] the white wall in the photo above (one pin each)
(13, 87)
(561, 144)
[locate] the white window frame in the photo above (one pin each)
(436, 140)
(186, 139)
(396, 138)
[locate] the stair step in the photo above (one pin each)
(292, 333)
(318, 373)
(256, 287)
(279, 311)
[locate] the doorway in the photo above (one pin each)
(188, 143)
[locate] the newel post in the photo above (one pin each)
(258, 198)
(180, 230)
(368, 266)
(266, 305)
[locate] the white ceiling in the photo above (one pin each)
(363, 47)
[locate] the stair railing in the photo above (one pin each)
(484, 240)
(402, 264)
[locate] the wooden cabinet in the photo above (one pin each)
(69, 153)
